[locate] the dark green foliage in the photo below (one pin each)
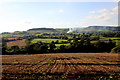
(57, 42)
(86, 42)
(11, 50)
(52, 46)
(15, 49)
(116, 49)
(82, 45)
(4, 47)
(104, 46)
(37, 48)
(62, 49)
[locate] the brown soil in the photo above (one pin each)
(70, 66)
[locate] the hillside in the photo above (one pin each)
(35, 31)
(94, 29)
(51, 30)
(112, 28)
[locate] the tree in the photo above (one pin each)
(87, 46)
(52, 46)
(4, 47)
(116, 49)
(87, 42)
(37, 48)
(69, 40)
(44, 48)
(13, 50)
(100, 46)
(57, 41)
(62, 48)
(111, 45)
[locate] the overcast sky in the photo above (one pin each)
(20, 16)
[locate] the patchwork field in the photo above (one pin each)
(46, 40)
(17, 43)
(59, 66)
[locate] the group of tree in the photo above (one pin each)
(76, 45)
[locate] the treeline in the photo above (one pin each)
(108, 34)
(76, 45)
(79, 42)
(61, 35)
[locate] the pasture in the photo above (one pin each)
(46, 40)
(107, 38)
(66, 44)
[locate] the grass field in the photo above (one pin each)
(115, 39)
(61, 66)
(66, 44)
(23, 43)
(46, 40)
(107, 38)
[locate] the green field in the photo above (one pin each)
(107, 38)
(60, 40)
(47, 40)
(112, 38)
(62, 44)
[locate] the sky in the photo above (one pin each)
(24, 15)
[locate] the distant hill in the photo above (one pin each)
(33, 29)
(94, 29)
(45, 30)
(5, 33)
(112, 28)
(61, 30)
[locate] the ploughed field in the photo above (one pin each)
(59, 66)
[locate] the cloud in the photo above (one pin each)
(67, 24)
(92, 12)
(101, 17)
(104, 14)
(108, 11)
(60, 10)
(15, 25)
(28, 22)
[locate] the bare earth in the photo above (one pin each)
(17, 43)
(59, 66)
